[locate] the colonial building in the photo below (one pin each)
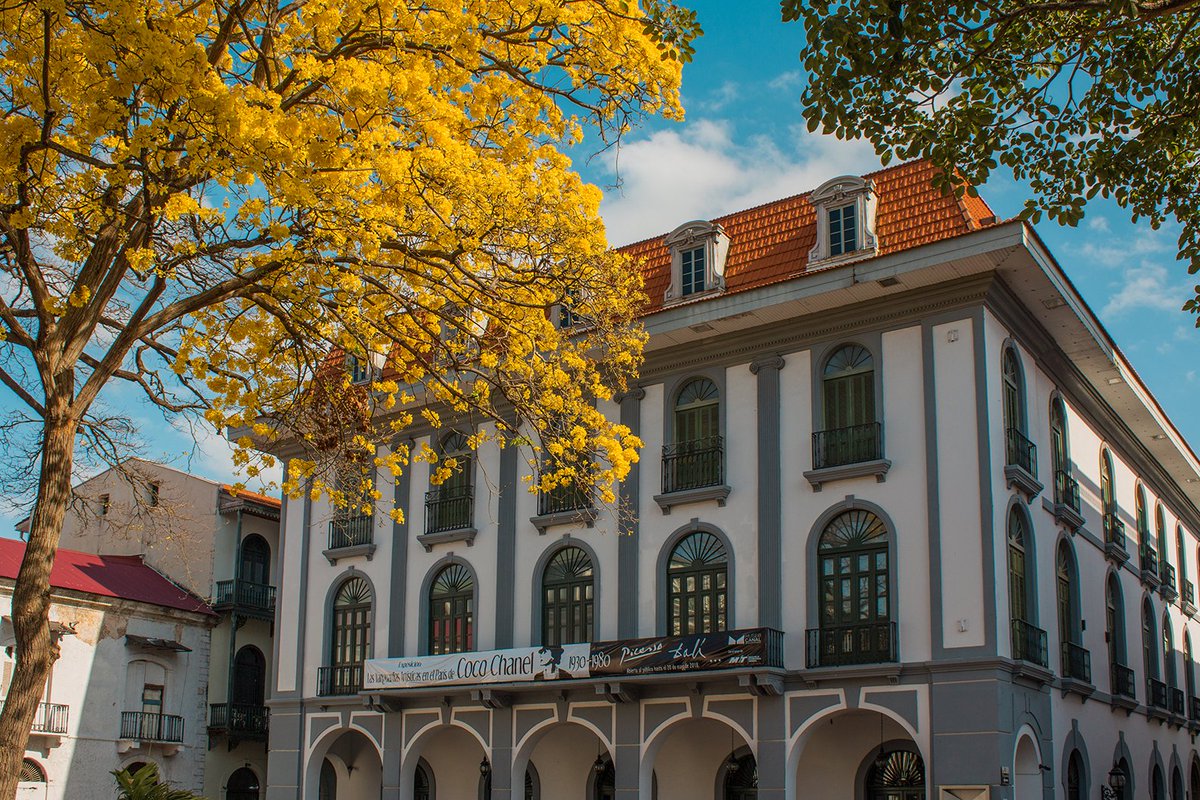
(128, 686)
(221, 545)
(906, 525)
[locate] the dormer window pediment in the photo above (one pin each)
(845, 209)
(698, 252)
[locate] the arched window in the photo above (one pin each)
(1176, 784)
(897, 775)
(255, 562)
(1014, 392)
(741, 779)
(1114, 620)
(1168, 652)
(696, 585)
(1122, 766)
(327, 785)
(1166, 573)
(855, 602)
(451, 611)
(242, 785)
(605, 785)
(1075, 661)
(1028, 641)
(1149, 642)
(31, 772)
(1189, 667)
(1181, 560)
(450, 505)
(1059, 457)
(567, 592)
(695, 456)
(851, 432)
(351, 636)
(1143, 518)
(1194, 778)
(1075, 777)
(249, 685)
(1108, 501)
(1158, 791)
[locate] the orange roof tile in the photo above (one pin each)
(770, 243)
(254, 497)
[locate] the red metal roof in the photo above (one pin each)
(126, 577)
(770, 243)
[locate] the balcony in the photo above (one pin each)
(449, 516)
(1114, 538)
(1194, 709)
(841, 646)
(1066, 501)
(50, 718)
(1177, 701)
(1020, 463)
(1124, 692)
(245, 597)
(852, 452)
(564, 505)
(351, 536)
(1148, 559)
(1156, 696)
(1076, 669)
(1029, 643)
(693, 471)
(143, 726)
(339, 681)
(1188, 589)
(1166, 580)
(239, 720)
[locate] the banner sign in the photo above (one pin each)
(661, 654)
(719, 650)
(490, 666)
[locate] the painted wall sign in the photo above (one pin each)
(699, 651)
(490, 666)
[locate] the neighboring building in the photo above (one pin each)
(887, 445)
(128, 687)
(223, 546)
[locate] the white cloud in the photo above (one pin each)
(211, 455)
(785, 80)
(1121, 251)
(726, 93)
(702, 170)
(1145, 287)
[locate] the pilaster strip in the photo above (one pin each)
(770, 510)
(628, 508)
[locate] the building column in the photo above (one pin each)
(393, 746)
(773, 779)
(770, 506)
(502, 756)
(628, 507)
(628, 741)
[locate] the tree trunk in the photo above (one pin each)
(36, 651)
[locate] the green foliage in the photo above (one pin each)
(1078, 98)
(144, 785)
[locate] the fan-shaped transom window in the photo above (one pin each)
(454, 445)
(697, 411)
(567, 597)
(696, 593)
(848, 388)
(31, 772)
(855, 586)
(352, 623)
(451, 611)
(896, 775)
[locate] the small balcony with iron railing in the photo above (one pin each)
(1077, 668)
(1177, 703)
(1187, 591)
(850, 452)
(1166, 580)
(1194, 710)
(844, 645)
(245, 598)
(50, 719)
(351, 533)
(1115, 548)
(1067, 508)
(144, 726)
(564, 504)
(1029, 643)
(449, 515)
(339, 681)
(1157, 697)
(239, 720)
(1123, 685)
(693, 471)
(1148, 561)
(1020, 463)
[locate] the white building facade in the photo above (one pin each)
(883, 542)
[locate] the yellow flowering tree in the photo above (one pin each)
(241, 207)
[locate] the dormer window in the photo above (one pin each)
(845, 209)
(698, 251)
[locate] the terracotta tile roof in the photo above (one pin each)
(770, 243)
(254, 497)
(125, 577)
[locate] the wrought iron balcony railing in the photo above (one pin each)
(1194, 708)
(1076, 662)
(1176, 698)
(1188, 589)
(351, 531)
(853, 445)
(1114, 531)
(1123, 683)
(449, 508)
(693, 465)
(245, 595)
(339, 680)
(835, 646)
(50, 718)
(1066, 491)
(1166, 577)
(244, 719)
(1020, 452)
(145, 726)
(563, 498)
(1156, 694)
(1029, 643)
(1148, 559)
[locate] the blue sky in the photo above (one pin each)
(744, 143)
